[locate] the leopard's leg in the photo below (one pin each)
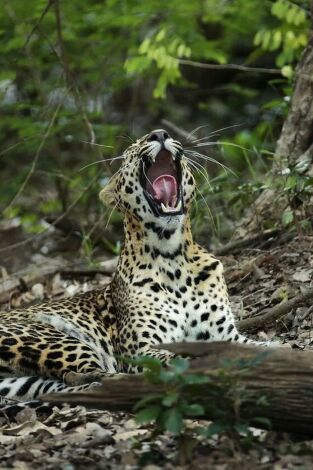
(219, 325)
(161, 354)
(137, 338)
(33, 348)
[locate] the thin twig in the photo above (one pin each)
(8, 149)
(36, 25)
(242, 68)
(37, 155)
(55, 222)
(70, 79)
(68, 74)
(181, 132)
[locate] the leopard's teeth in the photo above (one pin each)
(178, 207)
(168, 210)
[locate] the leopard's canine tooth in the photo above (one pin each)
(168, 210)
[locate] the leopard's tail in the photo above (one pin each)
(20, 392)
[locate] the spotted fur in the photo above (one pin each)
(166, 289)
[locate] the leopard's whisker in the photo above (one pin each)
(126, 137)
(193, 153)
(121, 168)
(124, 166)
(197, 167)
(110, 215)
(120, 157)
(144, 171)
(189, 136)
(94, 144)
(230, 144)
(204, 200)
(216, 132)
(207, 206)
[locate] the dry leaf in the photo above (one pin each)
(303, 275)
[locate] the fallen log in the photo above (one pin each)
(284, 378)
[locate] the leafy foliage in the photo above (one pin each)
(169, 409)
(180, 392)
(79, 72)
(289, 37)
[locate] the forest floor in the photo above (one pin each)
(258, 277)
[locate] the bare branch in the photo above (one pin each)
(242, 68)
(36, 25)
(55, 222)
(68, 74)
(181, 132)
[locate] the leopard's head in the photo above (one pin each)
(154, 180)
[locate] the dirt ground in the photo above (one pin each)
(258, 276)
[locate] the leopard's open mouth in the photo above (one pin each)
(161, 182)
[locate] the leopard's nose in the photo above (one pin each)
(158, 135)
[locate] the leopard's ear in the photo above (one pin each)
(107, 194)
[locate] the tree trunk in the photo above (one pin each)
(283, 377)
(294, 148)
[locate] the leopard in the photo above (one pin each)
(166, 288)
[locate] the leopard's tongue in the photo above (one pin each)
(165, 190)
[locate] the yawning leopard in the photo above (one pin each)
(166, 288)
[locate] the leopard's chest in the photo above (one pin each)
(188, 315)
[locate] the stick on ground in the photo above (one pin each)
(275, 313)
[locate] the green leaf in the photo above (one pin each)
(147, 362)
(161, 35)
(287, 218)
(173, 421)
(215, 428)
(287, 71)
(266, 38)
(137, 64)
(144, 47)
(148, 414)
(170, 398)
(242, 428)
(194, 410)
(147, 400)
(257, 38)
(276, 40)
(195, 379)
(179, 364)
(168, 376)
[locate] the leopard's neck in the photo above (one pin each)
(153, 243)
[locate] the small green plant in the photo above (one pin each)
(170, 408)
(297, 189)
(181, 392)
(87, 250)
